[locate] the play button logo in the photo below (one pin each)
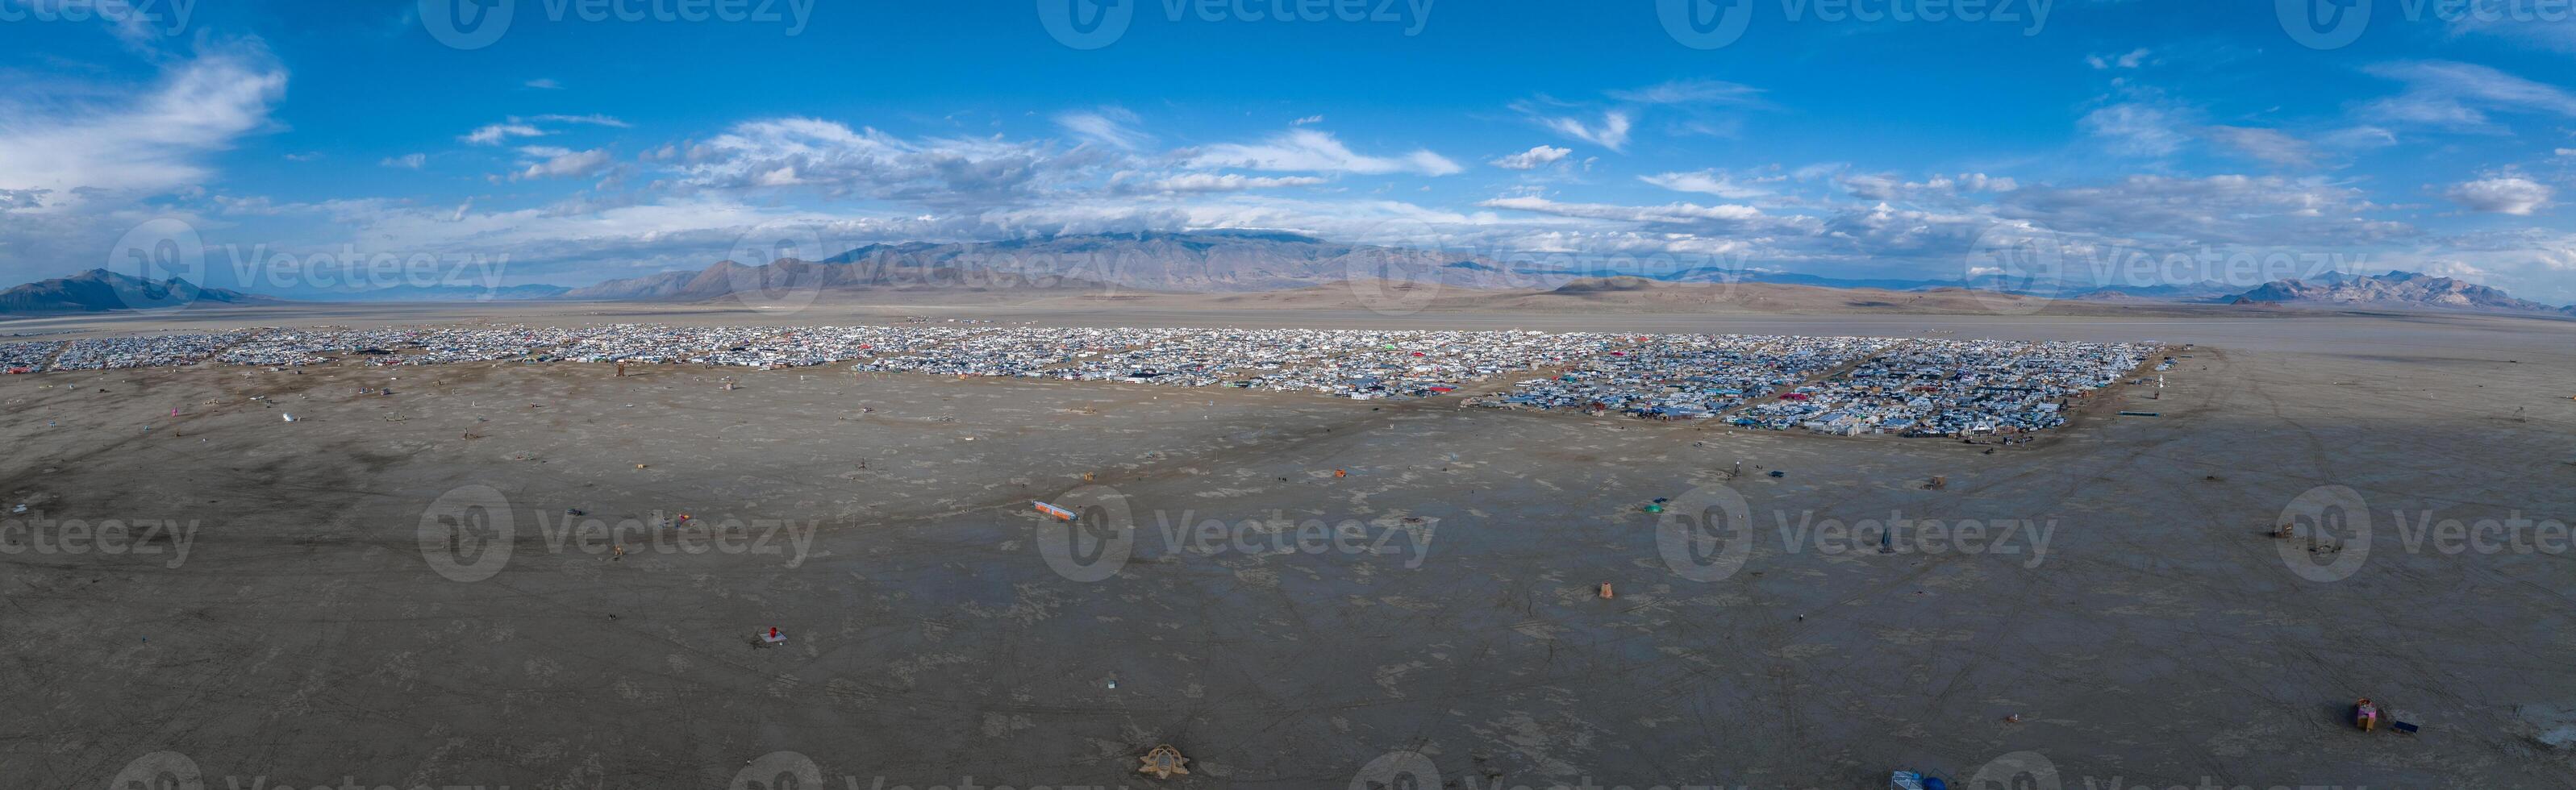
(1086, 24)
(1705, 24)
(2324, 24)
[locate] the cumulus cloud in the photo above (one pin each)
(836, 160)
(1313, 151)
(2532, 263)
(2225, 209)
(1533, 158)
(2513, 195)
(1880, 230)
(406, 161)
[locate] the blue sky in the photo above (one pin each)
(577, 141)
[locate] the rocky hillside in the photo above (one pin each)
(100, 290)
(2394, 289)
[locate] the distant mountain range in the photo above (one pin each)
(100, 290)
(1211, 262)
(1175, 262)
(1240, 262)
(431, 293)
(1233, 262)
(2394, 289)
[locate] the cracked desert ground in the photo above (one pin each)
(2161, 639)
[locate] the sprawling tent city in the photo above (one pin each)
(1402, 394)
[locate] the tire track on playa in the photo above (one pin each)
(2179, 652)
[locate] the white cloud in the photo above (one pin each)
(1226, 182)
(838, 161)
(149, 142)
(1701, 106)
(1307, 121)
(1111, 126)
(2502, 195)
(551, 162)
(2133, 59)
(545, 84)
(2542, 24)
(1611, 133)
(499, 133)
(1691, 92)
(2137, 129)
(2459, 96)
(1716, 218)
(2532, 263)
(593, 119)
(1881, 186)
(1309, 150)
(495, 134)
(406, 161)
(1980, 182)
(2224, 209)
(139, 28)
(1707, 182)
(2268, 145)
(1533, 158)
(2358, 137)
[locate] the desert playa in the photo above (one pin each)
(553, 575)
